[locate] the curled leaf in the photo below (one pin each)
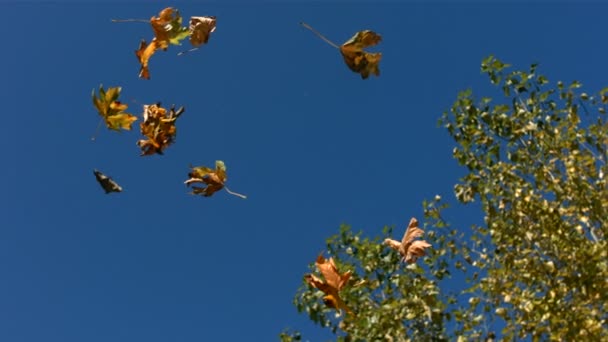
(167, 29)
(159, 128)
(143, 54)
(358, 60)
(213, 180)
(200, 28)
(106, 182)
(409, 249)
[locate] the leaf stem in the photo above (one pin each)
(184, 52)
(97, 129)
(319, 35)
(130, 21)
(235, 193)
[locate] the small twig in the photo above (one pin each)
(319, 35)
(235, 193)
(130, 21)
(97, 129)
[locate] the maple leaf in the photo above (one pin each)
(213, 179)
(167, 29)
(111, 110)
(334, 282)
(409, 249)
(158, 127)
(358, 60)
(106, 182)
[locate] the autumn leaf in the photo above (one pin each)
(106, 182)
(213, 180)
(111, 110)
(158, 127)
(167, 29)
(409, 249)
(200, 29)
(334, 282)
(144, 53)
(357, 59)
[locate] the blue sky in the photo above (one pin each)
(309, 142)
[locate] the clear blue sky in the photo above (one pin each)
(309, 142)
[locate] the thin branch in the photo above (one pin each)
(319, 35)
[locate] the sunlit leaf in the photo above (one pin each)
(212, 180)
(409, 248)
(356, 58)
(159, 128)
(111, 110)
(334, 282)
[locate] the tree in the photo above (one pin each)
(536, 269)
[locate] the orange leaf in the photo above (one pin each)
(334, 282)
(158, 127)
(143, 54)
(409, 249)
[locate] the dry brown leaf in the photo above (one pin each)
(158, 127)
(200, 29)
(409, 249)
(334, 282)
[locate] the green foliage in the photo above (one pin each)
(537, 163)
(391, 300)
(538, 266)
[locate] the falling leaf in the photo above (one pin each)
(106, 182)
(111, 110)
(144, 53)
(334, 282)
(167, 29)
(409, 249)
(213, 179)
(358, 60)
(158, 127)
(200, 28)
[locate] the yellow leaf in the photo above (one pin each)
(159, 128)
(357, 59)
(213, 179)
(112, 111)
(119, 121)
